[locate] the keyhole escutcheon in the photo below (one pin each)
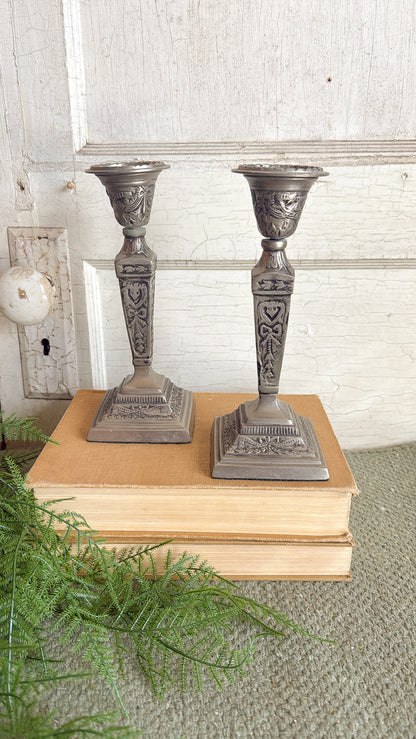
(46, 346)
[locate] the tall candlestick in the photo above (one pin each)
(265, 439)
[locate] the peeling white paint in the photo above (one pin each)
(50, 373)
(257, 70)
(341, 343)
(208, 87)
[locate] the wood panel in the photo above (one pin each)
(351, 340)
(204, 212)
(253, 70)
(42, 77)
(206, 85)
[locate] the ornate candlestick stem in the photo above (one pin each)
(146, 407)
(272, 285)
(264, 439)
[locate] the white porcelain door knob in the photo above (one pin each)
(26, 295)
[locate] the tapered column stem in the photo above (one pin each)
(272, 287)
(135, 267)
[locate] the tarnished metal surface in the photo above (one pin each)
(146, 407)
(265, 439)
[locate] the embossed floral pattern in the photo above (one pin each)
(277, 213)
(132, 207)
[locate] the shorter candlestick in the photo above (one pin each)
(146, 407)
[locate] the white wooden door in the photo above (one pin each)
(205, 85)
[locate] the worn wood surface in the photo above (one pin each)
(249, 70)
(210, 85)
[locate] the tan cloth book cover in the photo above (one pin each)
(122, 489)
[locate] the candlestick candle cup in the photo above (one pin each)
(265, 439)
(146, 406)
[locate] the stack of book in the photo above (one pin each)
(134, 494)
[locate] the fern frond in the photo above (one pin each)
(21, 429)
(181, 620)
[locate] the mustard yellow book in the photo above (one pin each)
(167, 489)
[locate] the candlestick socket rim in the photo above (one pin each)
(298, 171)
(134, 166)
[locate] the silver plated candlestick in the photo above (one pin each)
(146, 407)
(265, 439)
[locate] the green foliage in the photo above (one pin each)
(21, 429)
(179, 615)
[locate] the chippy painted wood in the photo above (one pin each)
(340, 327)
(243, 72)
(249, 70)
(14, 180)
(368, 214)
(205, 215)
(43, 86)
(74, 58)
(54, 375)
(205, 212)
(262, 91)
(326, 153)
